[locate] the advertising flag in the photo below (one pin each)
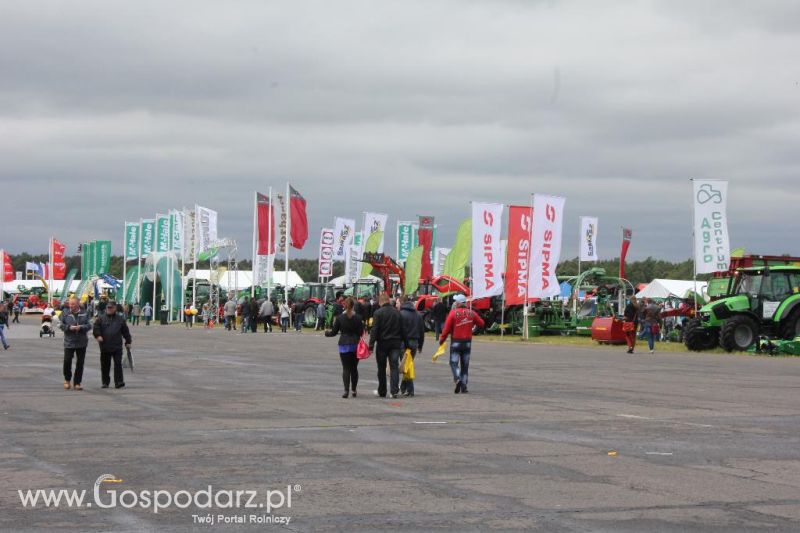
(177, 230)
(206, 221)
(371, 245)
(413, 270)
(148, 235)
(299, 222)
(439, 258)
(627, 235)
(374, 222)
(8, 267)
(31, 267)
(264, 269)
(102, 257)
(518, 254)
(712, 248)
(455, 265)
(548, 225)
(91, 258)
(352, 265)
(588, 239)
(59, 265)
(162, 233)
(326, 243)
(266, 226)
(487, 259)
(131, 240)
(343, 230)
(405, 240)
(425, 236)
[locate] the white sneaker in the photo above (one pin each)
(652, 351)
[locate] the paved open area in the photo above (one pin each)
(549, 438)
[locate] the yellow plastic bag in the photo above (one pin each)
(440, 351)
(408, 367)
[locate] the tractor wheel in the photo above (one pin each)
(310, 316)
(790, 329)
(697, 338)
(739, 333)
(427, 319)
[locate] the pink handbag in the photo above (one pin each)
(362, 352)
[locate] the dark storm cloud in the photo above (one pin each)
(118, 110)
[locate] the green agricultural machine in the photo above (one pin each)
(759, 301)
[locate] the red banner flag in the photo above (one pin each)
(266, 225)
(8, 268)
(299, 220)
(518, 254)
(425, 238)
(59, 266)
(626, 243)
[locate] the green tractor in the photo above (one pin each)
(760, 301)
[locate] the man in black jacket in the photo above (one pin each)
(387, 331)
(75, 323)
(414, 327)
(439, 312)
(109, 330)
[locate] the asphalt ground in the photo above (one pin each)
(550, 438)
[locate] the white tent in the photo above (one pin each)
(671, 288)
(341, 281)
(12, 287)
(244, 278)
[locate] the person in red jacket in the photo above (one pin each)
(459, 325)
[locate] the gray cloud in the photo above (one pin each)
(118, 110)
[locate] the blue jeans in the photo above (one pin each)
(3, 336)
(647, 329)
(298, 322)
(459, 353)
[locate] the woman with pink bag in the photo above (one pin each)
(349, 327)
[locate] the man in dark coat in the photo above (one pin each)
(415, 337)
(388, 333)
(75, 323)
(110, 329)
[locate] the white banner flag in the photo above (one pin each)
(375, 222)
(487, 258)
(439, 257)
(262, 273)
(206, 220)
(352, 267)
(588, 239)
(326, 242)
(548, 225)
(343, 231)
(712, 249)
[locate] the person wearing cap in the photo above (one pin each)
(459, 325)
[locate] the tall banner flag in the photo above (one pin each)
(352, 265)
(374, 222)
(371, 245)
(343, 230)
(189, 230)
(148, 237)
(263, 270)
(163, 233)
(588, 238)
(627, 235)
(83, 250)
(282, 225)
(548, 225)
(439, 258)
(8, 267)
(518, 253)
(102, 257)
(131, 240)
(206, 221)
(91, 258)
(266, 226)
(299, 221)
(712, 248)
(425, 236)
(413, 270)
(405, 240)
(58, 251)
(326, 243)
(455, 265)
(176, 219)
(487, 259)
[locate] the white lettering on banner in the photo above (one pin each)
(486, 224)
(546, 246)
(326, 242)
(522, 257)
(712, 244)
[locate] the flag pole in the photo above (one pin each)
(2, 275)
(288, 208)
(50, 275)
(139, 266)
(124, 261)
(194, 258)
(255, 258)
(694, 252)
(183, 259)
(271, 215)
(525, 333)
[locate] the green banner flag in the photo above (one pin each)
(84, 260)
(131, 240)
(102, 257)
(371, 246)
(71, 275)
(162, 233)
(91, 269)
(405, 240)
(456, 262)
(413, 270)
(148, 236)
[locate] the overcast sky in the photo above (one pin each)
(113, 111)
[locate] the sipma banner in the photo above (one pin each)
(712, 248)
(588, 239)
(548, 226)
(520, 221)
(487, 257)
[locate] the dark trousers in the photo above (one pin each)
(80, 354)
(16, 318)
(407, 385)
(135, 320)
(320, 323)
(298, 322)
(230, 322)
(438, 326)
(349, 371)
(284, 323)
(459, 355)
(146, 320)
(105, 367)
(393, 356)
(268, 323)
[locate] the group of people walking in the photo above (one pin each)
(642, 318)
